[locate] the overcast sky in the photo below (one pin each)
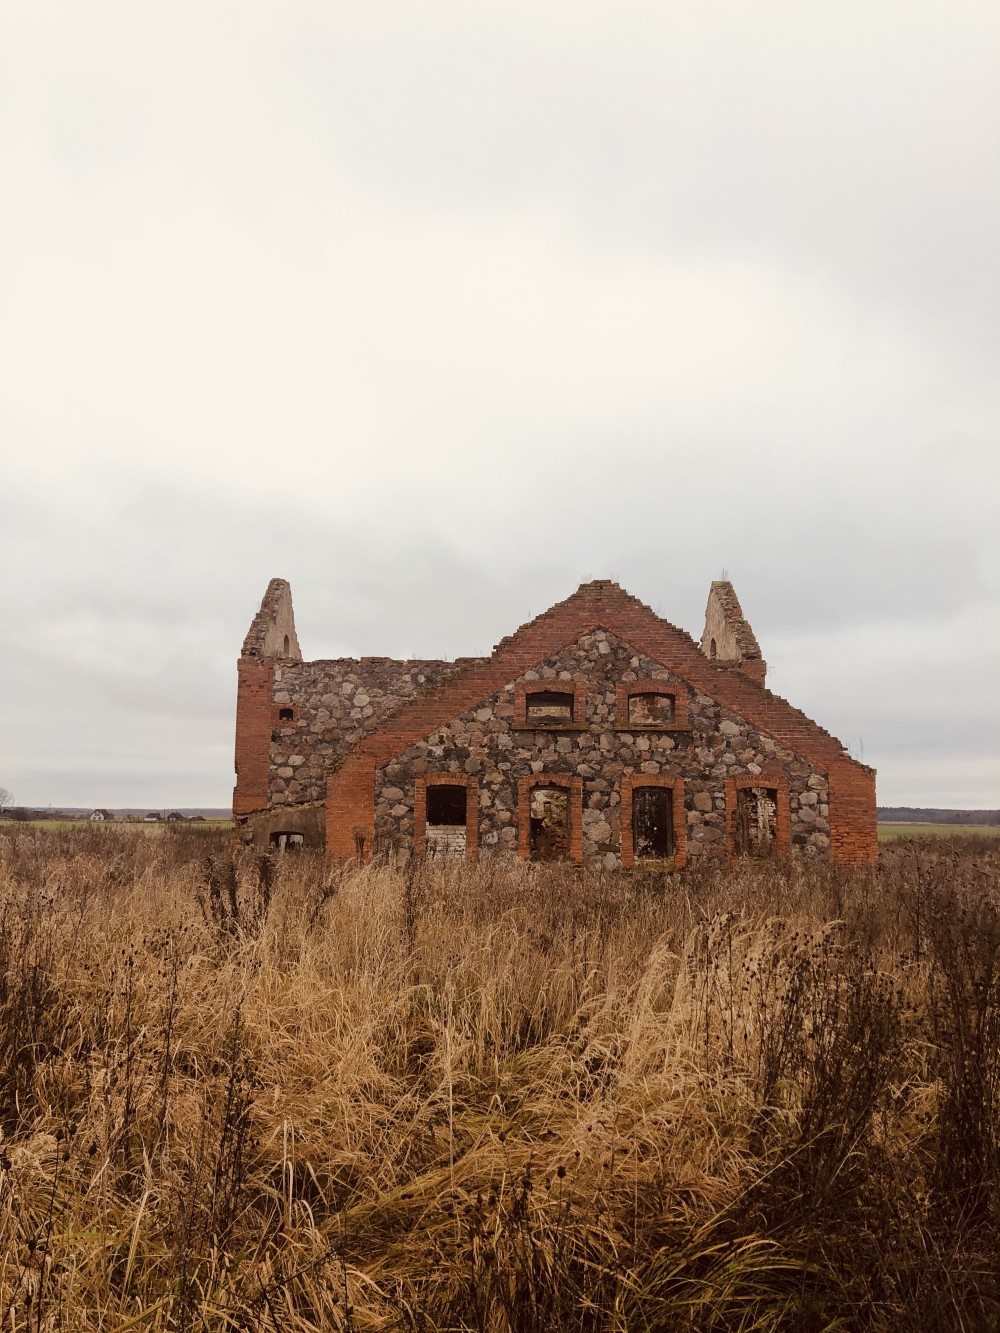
(439, 309)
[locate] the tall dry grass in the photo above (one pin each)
(242, 1094)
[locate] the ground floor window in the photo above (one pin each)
(446, 816)
(758, 820)
(550, 818)
(548, 836)
(445, 829)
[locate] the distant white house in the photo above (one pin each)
(99, 816)
(151, 818)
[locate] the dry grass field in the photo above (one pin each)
(890, 832)
(239, 1094)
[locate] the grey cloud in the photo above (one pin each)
(438, 313)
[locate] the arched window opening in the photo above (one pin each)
(712, 650)
(286, 649)
(286, 715)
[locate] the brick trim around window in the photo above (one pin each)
(575, 788)
(471, 785)
(778, 783)
(625, 689)
(524, 688)
(629, 783)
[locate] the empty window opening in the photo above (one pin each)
(756, 821)
(712, 649)
(651, 710)
(445, 828)
(652, 822)
(548, 837)
(285, 715)
(287, 842)
(286, 647)
(446, 804)
(549, 707)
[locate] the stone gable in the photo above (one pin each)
(486, 743)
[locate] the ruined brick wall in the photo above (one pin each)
(713, 746)
(272, 631)
(727, 636)
(253, 735)
(333, 704)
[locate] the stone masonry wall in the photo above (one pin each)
(334, 703)
(484, 742)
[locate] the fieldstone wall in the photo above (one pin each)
(485, 742)
(334, 704)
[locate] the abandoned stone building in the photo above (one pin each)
(597, 733)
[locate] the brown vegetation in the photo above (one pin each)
(243, 1094)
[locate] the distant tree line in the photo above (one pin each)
(910, 814)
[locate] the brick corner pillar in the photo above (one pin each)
(853, 819)
(254, 692)
(350, 811)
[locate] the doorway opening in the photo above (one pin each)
(652, 823)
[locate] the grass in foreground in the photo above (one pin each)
(239, 1094)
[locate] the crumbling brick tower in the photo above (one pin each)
(597, 733)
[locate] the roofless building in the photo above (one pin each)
(597, 733)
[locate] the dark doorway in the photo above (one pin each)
(756, 831)
(652, 823)
(445, 825)
(548, 838)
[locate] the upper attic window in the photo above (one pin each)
(651, 710)
(651, 705)
(555, 704)
(549, 708)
